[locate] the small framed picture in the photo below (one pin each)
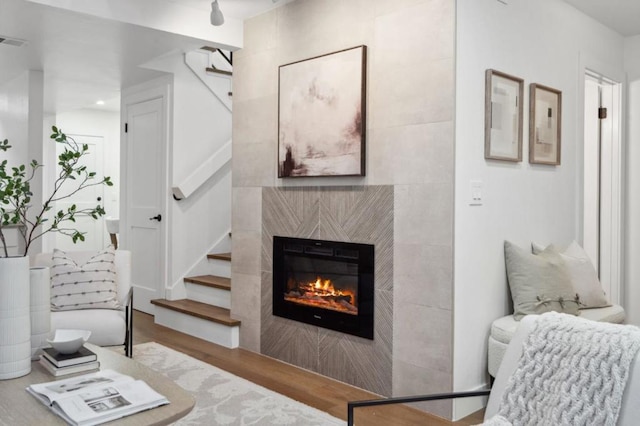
(545, 124)
(503, 116)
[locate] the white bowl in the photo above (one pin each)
(69, 341)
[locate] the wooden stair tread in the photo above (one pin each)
(219, 256)
(217, 71)
(210, 281)
(199, 310)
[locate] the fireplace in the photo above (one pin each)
(324, 283)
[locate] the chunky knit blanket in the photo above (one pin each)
(572, 372)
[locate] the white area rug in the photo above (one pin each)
(225, 399)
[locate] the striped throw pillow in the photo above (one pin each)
(90, 286)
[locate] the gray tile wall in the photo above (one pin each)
(410, 148)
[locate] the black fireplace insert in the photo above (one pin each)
(325, 283)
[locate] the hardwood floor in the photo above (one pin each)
(307, 387)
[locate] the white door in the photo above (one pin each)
(602, 180)
(88, 198)
(145, 139)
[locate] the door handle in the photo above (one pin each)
(158, 218)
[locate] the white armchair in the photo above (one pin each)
(575, 367)
(109, 327)
(629, 408)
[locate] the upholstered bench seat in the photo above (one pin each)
(503, 329)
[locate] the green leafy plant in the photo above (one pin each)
(16, 194)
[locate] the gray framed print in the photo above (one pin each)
(321, 115)
(545, 124)
(503, 111)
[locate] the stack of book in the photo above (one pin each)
(60, 364)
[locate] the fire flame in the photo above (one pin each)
(322, 293)
(325, 288)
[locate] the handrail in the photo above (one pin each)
(228, 59)
(200, 175)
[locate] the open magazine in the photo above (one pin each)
(96, 398)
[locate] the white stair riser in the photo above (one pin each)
(213, 332)
(210, 295)
(219, 268)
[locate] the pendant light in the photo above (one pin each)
(216, 14)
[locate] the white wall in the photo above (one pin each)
(14, 111)
(632, 222)
(14, 114)
(21, 115)
(545, 42)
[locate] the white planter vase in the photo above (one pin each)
(40, 294)
(15, 321)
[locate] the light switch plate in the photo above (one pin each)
(475, 193)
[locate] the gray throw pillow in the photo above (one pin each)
(583, 274)
(539, 283)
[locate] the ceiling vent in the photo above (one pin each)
(11, 41)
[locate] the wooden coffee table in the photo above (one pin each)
(17, 407)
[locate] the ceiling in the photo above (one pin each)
(86, 59)
(239, 9)
(623, 16)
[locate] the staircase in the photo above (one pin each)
(204, 313)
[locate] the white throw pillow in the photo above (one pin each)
(90, 286)
(583, 275)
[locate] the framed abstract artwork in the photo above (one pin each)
(503, 111)
(545, 124)
(321, 115)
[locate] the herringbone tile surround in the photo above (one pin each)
(352, 214)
